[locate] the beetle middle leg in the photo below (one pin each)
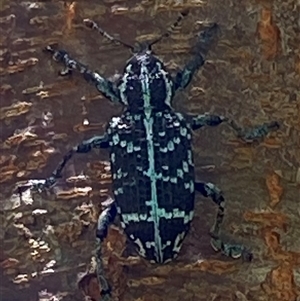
(84, 147)
(248, 135)
(232, 250)
(198, 121)
(106, 218)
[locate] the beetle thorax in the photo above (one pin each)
(146, 84)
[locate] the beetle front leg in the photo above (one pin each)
(184, 76)
(232, 250)
(205, 39)
(104, 86)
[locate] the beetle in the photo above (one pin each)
(151, 156)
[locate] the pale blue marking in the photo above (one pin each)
(148, 123)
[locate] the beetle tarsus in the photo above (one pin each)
(103, 283)
(234, 251)
(89, 23)
(256, 133)
(35, 185)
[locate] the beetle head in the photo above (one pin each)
(146, 84)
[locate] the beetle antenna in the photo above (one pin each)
(169, 31)
(93, 25)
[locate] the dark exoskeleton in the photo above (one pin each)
(150, 153)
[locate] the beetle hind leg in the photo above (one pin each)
(106, 217)
(104, 285)
(228, 249)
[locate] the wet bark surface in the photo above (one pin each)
(252, 76)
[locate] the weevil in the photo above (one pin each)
(150, 146)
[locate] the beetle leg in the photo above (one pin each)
(106, 217)
(103, 283)
(84, 147)
(198, 121)
(95, 142)
(39, 185)
(232, 250)
(210, 190)
(256, 133)
(248, 135)
(106, 87)
(184, 76)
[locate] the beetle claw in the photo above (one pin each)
(247, 256)
(37, 185)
